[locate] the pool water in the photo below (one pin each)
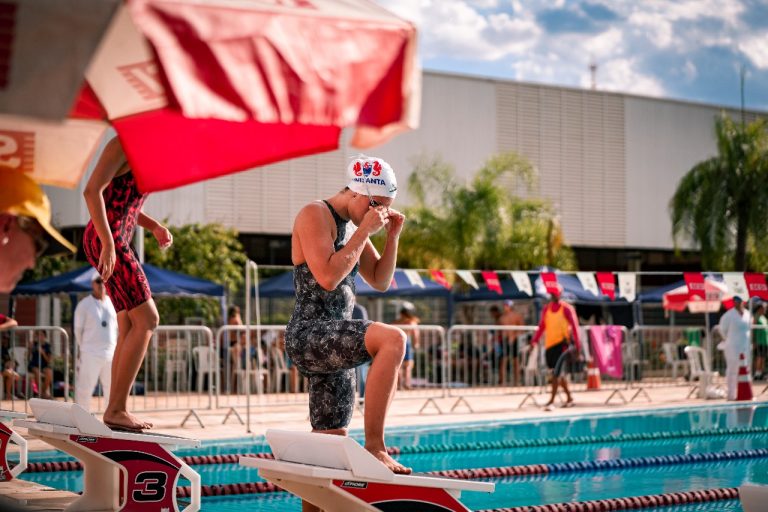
(552, 488)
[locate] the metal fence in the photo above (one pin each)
(188, 368)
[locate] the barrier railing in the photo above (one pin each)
(180, 360)
(489, 360)
(38, 363)
(188, 368)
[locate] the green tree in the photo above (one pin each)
(207, 251)
(480, 224)
(49, 266)
(721, 204)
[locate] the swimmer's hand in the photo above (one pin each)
(375, 219)
(107, 260)
(396, 222)
(163, 236)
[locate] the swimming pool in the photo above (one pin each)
(540, 489)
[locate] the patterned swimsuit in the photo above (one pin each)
(325, 343)
(127, 286)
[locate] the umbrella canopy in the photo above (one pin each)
(678, 298)
(200, 89)
(282, 286)
(161, 281)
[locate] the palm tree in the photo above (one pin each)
(480, 224)
(721, 204)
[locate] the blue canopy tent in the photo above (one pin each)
(162, 282)
(281, 286)
(508, 291)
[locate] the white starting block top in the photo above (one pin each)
(753, 497)
(67, 418)
(332, 457)
(11, 415)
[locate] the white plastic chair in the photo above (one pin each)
(206, 363)
(700, 368)
(670, 355)
(176, 365)
(279, 368)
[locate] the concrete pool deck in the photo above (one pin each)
(405, 412)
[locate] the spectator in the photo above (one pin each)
(96, 337)
(408, 317)
(10, 375)
(40, 361)
(735, 327)
(25, 227)
(236, 339)
(761, 339)
(559, 325)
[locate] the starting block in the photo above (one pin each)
(8, 436)
(335, 473)
(753, 497)
(129, 472)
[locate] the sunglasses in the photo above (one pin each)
(35, 231)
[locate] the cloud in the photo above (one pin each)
(690, 49)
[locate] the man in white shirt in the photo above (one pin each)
(735, 327)
(96, 336)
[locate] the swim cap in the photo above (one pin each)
(372, 176)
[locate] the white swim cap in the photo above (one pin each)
(372, 176)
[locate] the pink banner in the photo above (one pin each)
(550, 282)
(607, 284)
(756, 285)
(606, 349)
(492, 280)
(439, 278)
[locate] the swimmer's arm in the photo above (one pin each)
(315, 237)
(378, 271)
(109, 163)
(147, 222)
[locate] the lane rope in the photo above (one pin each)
(40, 467)
(517, 471)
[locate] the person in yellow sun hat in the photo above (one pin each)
(25, 227)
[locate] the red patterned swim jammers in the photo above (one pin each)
(128, 286)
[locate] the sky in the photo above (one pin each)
(683, 49)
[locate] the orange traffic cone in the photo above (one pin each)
(593, 376)
(744, 389)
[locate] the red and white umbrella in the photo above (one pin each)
(679, 299)
(199, 88)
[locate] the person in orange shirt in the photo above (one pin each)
(559, 324)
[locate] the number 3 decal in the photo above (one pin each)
(153, 483)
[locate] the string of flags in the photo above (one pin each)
(613, 285)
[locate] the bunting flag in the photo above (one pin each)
(736, 284)
(468, 278)
(627, 285)
(492, 281)
(756, 286)
(439, 278)
(522, 282)
(695, 283)
(587, 280)
(607, 283)
(550, 282)
(414, 278)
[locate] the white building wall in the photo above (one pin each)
(608, 162)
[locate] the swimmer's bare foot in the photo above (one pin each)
(392, 464)
(123, 419)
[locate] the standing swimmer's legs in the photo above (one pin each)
(135, 329)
